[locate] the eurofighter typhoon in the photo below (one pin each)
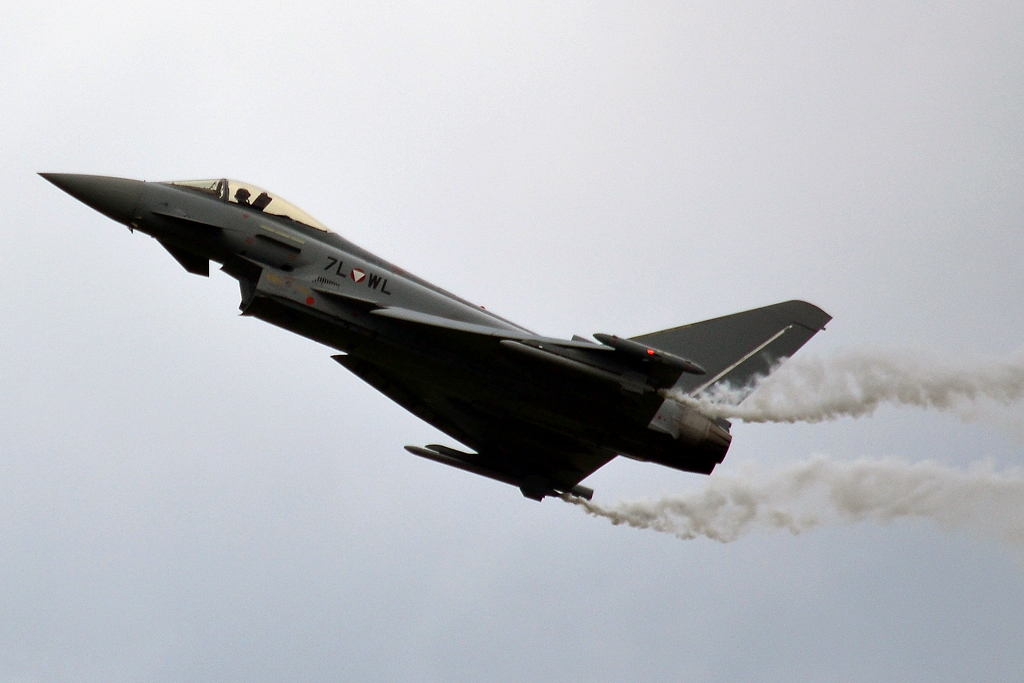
(539, 413)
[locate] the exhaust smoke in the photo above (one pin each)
(855, 382)
(824, 492)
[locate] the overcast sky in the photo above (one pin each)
(186, 495)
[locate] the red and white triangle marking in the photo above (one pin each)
(357, 275)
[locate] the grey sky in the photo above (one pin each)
(189, 495)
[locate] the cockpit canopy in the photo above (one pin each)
(254, 197)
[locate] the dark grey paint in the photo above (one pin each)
(540, 413)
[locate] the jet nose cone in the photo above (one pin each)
(116, 198)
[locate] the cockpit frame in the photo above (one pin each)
(253, 197)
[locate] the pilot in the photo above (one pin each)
(242, 196)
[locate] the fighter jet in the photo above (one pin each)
(538, 413)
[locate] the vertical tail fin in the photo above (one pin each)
(738, 348)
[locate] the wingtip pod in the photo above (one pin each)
(649, 353)
(581, 492)
(531, 487)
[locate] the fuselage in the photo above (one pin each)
(483, 380)
(177, 214)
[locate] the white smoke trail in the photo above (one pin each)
(826, 492)
(855, 382)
